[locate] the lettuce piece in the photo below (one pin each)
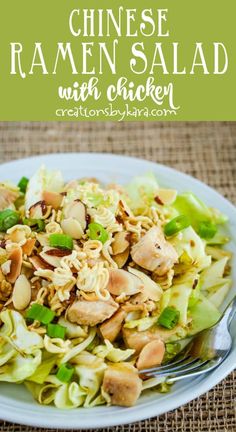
(43, 370)
(20, 367)
(178, 296)
(15, 332)
(20, 349)
(190, 245)
(111, 353)
(42, 180)
(80, 347)
(197, 211)
(90, 380)
(213, 275)
(141, 324)
(203, 315)
(142, 190)
(218, 294)
(69, 396)
(72, 330)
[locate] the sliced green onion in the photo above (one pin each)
(97, 232)
(177, 224)
(8, 218)
(22, 185)
(169, 317)
(56, 331)
(62, 241)
(207, 230)
(65, 372)
(40, 313)
(38, 224)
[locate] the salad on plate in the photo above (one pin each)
(97, 282)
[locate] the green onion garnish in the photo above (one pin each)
(62, 241)
(8, 218)
(56, 331)
(175, 225)
(169, 317)
(207, 230)
(65, 372)
(97, 232)
(22, 185)
(37, 224)
(40, 313)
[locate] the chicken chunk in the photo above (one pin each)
(122, 383)
(112, 327)
(138, 339)
(154, 253)
(123, 282)
(151, 355)
(91, 313)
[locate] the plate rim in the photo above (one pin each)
(148, 411)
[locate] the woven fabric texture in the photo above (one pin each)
(205, 150)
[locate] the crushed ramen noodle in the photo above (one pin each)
(96, 281)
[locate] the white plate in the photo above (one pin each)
(16, 404)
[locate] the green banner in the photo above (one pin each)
(117, 60)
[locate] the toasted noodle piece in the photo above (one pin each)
(91, 313)
(122, 258)
(53, 199)
(28, 247)
(122, 383)
(89, 296)
(5, 288)
(154, 253)
(151, 355)
(120, 242)
(7, 197)
(133, 307)
(21, 293)
(39, 263)
(16, 259)
(122, 282)
(111, 328)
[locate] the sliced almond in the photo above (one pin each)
(166, 196)
(121, 259)
(38, 210)
(76, 210)
(72, 228)
(15, 257)
(151, 290)
(39, 263)
(21, 293)
(151, 355)
(42, 239)
(53, 199)
(53, 256)
(120, 243)
(28, 246)
(122, 282)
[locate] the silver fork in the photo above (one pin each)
(200, 353)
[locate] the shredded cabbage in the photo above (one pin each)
(42, 180)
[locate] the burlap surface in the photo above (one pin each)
(204, 150)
